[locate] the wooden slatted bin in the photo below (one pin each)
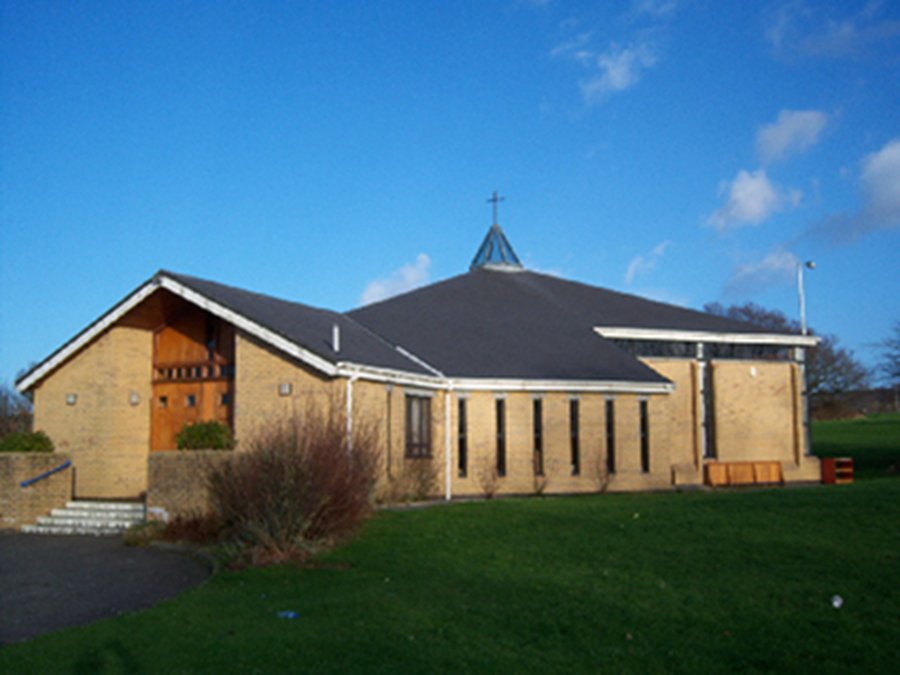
(837, 470)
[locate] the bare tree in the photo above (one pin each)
(15, 412)
(889, 368)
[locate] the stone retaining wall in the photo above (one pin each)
(177, 481)
(22, 506)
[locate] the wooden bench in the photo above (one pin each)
(719, 474)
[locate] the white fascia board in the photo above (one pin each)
(602, 386)
(251, 327)
(500, 385)
(129, 303)
(389, 376)
(704, 336)
(88, 334)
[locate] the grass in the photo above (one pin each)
(873, 442)
(736, 581)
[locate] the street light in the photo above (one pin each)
(809, 264)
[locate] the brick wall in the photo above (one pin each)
(22, 506)
(107, 430)
(177, 481)
(260, 372)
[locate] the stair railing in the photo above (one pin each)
(46, 474)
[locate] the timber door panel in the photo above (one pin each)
(193, 375)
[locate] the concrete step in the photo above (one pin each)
(111, 516)
(89, 517)
(110, 507)
(67, 530)
(87, 522)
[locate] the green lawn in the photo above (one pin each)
(733, 581)
(873, 442)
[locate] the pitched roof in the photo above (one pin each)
(306, 326)
(491, 324)
(526, 325)
(487, 324)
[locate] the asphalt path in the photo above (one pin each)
(52, 582)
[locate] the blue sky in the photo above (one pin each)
(335, 152)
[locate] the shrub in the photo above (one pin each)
(205, 436)
(142, 534)
(297, 488)
(417, 481)
(196, 528)
(26, 441)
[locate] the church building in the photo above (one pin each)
(500, 381)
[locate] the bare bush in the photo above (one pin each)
(297, 487)
(489, 479)
(417, 481)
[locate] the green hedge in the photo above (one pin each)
(205, 436)
(26, 441)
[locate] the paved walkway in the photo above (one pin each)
(48, 582)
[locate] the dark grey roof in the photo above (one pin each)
(495, 324)
(526, 325)
(309, 327)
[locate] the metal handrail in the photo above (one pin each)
(46, 474)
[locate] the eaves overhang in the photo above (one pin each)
(626, 333)
(163, 281)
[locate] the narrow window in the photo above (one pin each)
(709, 411)
(645, 438)
(418, 426)
(191, 401)
(501, 437)
(573, 436)
(461, 442)
(226, 399)
(610, 436)
(538, 437)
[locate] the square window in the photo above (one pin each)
(191, 401)
(163, 401)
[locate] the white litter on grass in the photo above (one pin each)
(837, 601)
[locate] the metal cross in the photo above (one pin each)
(496, 200)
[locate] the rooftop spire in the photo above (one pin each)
(495, 251)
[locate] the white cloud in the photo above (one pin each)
(880, 185)
(656, 8)
(776, 268)
(880, 181)
(752, 198)
(793, 132)
(409, 276)
(795, 28)
(643, 264)
(618, 69)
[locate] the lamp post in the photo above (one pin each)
(809, 264)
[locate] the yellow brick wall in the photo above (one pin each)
(106, 436)
(259, 371)
(675, 427)
(22, 506)
(754, 411)
(558, 477)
